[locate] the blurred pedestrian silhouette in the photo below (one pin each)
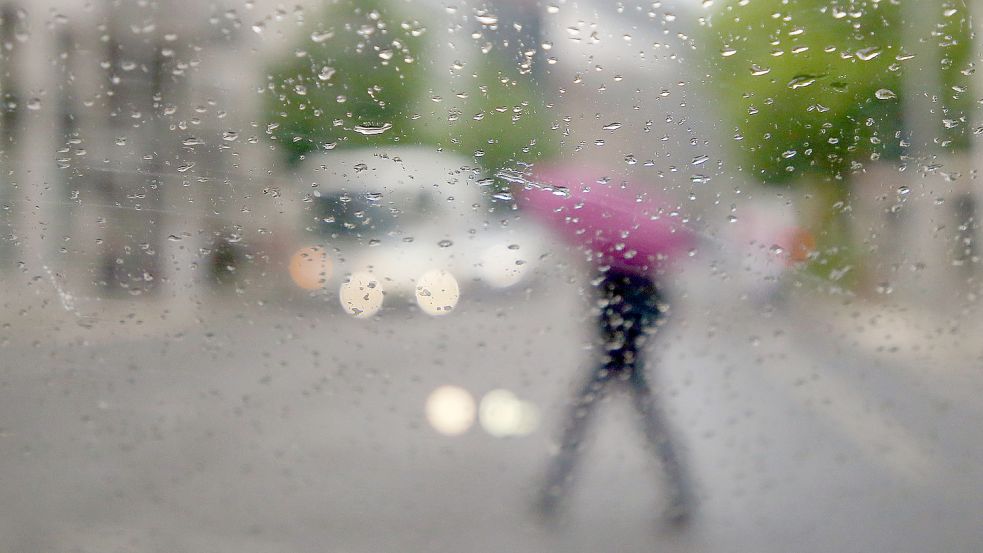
(631, 310)
(630, 236)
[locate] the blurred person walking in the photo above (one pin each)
(629, 236)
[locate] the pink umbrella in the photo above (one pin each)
(624, 226)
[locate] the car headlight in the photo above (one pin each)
(437, 292)
(361, 295)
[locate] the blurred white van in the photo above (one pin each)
(407, 222)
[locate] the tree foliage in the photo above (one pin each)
(503, 120)
(365, 63)
(812, 86)
(357, 66)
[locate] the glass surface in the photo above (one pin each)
(510, 275)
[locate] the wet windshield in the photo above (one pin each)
(515, 275)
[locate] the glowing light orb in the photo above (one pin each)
(503, 265)
(437, 292)
(310, 268)
(450, 410)
(361, 295)
(502, 414)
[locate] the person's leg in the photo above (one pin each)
(659, 435)
(646, 316)
(561, 467)
(610, 322)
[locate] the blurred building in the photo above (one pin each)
(136, 161)
(131, 145)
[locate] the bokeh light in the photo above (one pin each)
(361, 295)
(437, 292)
(450, 410)
(502, 414)
(503, 265)
(310, 268)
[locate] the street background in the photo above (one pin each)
(173, 377)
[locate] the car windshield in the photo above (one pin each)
(513, 275)
(341, 214)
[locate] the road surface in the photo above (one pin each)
(288, 426)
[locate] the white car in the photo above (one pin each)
(408, 222)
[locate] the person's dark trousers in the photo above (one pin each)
(631, 310)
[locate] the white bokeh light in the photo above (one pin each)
(450, 410)
(502, 414)
(437, 292)
(361, 295)
(503, 265)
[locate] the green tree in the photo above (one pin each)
(954, 46)
(815, 88)
(362, 65)
(503, 120)
(352, 80)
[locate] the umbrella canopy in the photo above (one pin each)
(624, 226)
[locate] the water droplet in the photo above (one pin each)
(230, 136)
(445, 243)
(486, 18)
(185, 167)
(326, 73)
(612, 126)
(801, 81)
(885, 94)
(370, 130)
(757, 70)
(34, 104)
(321, 36)
(700, 160)
(867, 54)
(727, 52)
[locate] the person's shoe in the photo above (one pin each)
(680, 510)
(678, 515)
(546, 507)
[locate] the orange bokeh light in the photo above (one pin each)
(803, 244)
(310, 268)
